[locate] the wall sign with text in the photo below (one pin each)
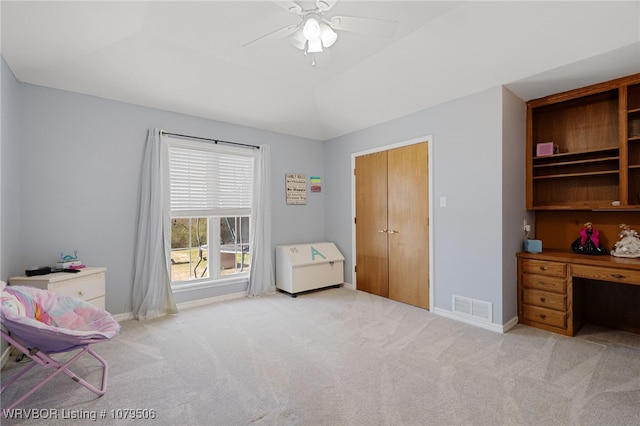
(296, 187)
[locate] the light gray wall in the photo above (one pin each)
(514, 113)
(469, 250)
(9, 171)
(9, 184)
(79, 174)
(75, 181)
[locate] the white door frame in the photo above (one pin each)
(429, 140)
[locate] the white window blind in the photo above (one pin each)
(209, 180)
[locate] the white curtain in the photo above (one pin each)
(152, 295)
(261, 280)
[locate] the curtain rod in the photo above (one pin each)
(209, 140)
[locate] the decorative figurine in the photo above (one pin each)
(629, 244)
(68, 257)
(589, 241)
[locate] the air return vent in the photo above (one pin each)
(478, 309)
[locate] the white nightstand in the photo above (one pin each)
(88, 284)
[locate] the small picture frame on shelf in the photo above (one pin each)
(545, 149)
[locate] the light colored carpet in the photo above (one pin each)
(343, 357)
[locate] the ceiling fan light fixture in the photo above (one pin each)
(298, 40)
(311, 29)
(327, 35)
(315, 46)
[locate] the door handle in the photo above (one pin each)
(392, 231)
(382, 231)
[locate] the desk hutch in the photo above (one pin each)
(593, 175)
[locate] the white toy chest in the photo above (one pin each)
(303, 267)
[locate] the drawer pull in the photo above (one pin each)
(542, 299)
(618, 276)
(81, 292)
(543, 316)
(543, 268)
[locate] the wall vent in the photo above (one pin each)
(477, 309)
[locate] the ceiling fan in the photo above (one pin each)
(316, 32)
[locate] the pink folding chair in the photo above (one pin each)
(41, 323)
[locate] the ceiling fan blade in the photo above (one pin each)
(379, 27)
(292, 6)
(325, 5)
(277, 34)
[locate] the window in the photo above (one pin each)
(211, 197)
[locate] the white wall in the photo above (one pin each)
(79, 173)
(468, 170)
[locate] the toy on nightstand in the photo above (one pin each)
(68, 261)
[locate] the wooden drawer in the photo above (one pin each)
(542, 282)
(545, 316)
(86, 288)
(545, 299)
(625, 276)
(543, 267)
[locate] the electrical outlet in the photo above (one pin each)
(526, 226)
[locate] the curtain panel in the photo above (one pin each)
(261, 279)
(152, 296)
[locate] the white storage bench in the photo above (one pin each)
(304, 267)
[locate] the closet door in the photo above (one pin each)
(392, 224)
(408, 224)
(371, 224)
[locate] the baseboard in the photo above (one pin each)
(188, 305)
(124, 317)
(201, 302)
(510, 324)
(498, 328)
(210, 300)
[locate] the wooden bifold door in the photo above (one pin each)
(392, 224)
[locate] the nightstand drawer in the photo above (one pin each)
(541, 282)
(85, 288)
(98, 302)
(542, 267)
(545, 316)
(545, 299)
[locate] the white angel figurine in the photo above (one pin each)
(629, 244)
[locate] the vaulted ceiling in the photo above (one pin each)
(188, 57)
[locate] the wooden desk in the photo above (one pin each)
(559, 290)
